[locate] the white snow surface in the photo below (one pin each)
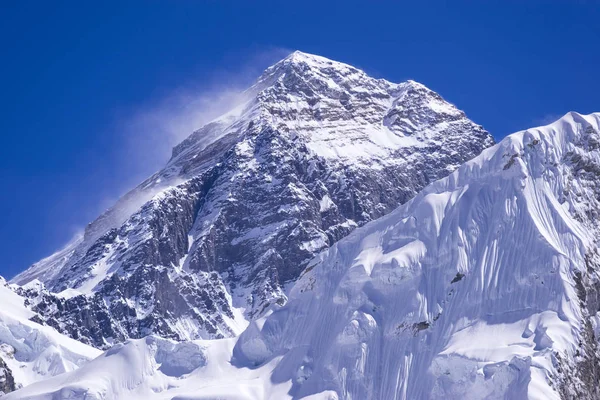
(465, 292)
(34, 352)
(155, 368)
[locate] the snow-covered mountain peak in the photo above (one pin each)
(298, 56)
(339, 111)
(315, 149)
(344, 114)
(300, 63)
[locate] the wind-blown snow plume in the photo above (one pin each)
(151, 130)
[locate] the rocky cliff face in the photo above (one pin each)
(316, 149)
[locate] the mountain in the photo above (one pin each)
(485, 285)
(30, 352)
(315, 149)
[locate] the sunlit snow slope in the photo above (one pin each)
(483, 286)
(155, 368)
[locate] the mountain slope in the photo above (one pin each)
(485, 285)
(481, 287)
(30, 352)
(314, 149)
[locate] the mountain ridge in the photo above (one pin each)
(484, 285)
(210, 242)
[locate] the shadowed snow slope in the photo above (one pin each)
(485, 285)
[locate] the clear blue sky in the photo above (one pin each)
(75, 75)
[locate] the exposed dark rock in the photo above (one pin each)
(7, 382)
(457, 278)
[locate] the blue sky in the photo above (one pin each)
(94, 94)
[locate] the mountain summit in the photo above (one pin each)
(315, 149)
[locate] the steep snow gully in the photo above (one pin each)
(483, 284)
